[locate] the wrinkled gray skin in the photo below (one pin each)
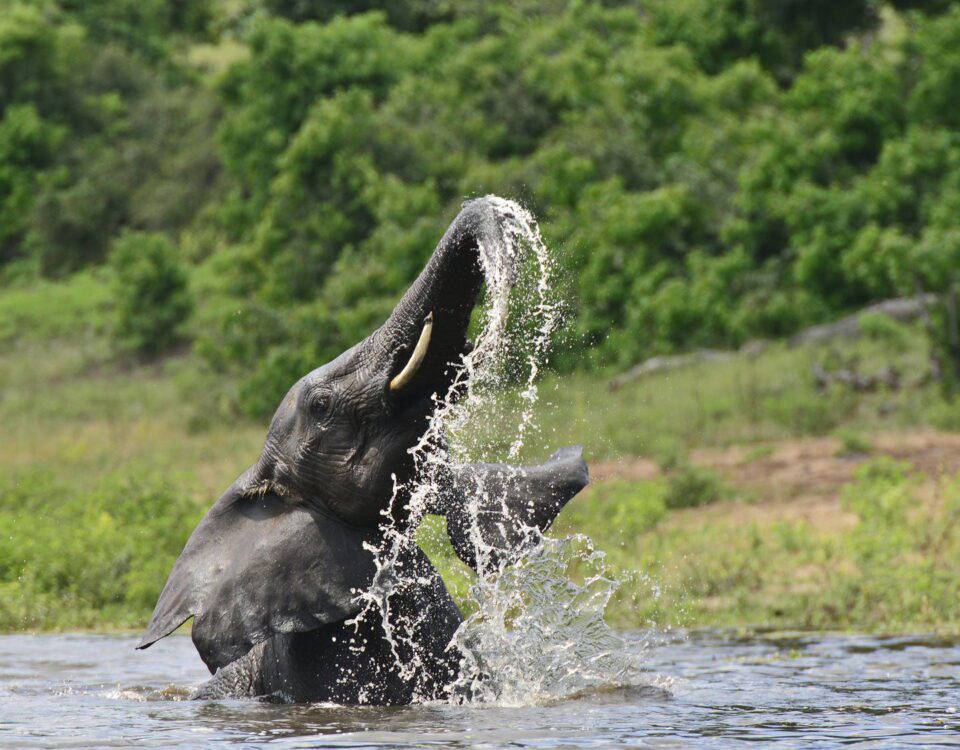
(272, 572)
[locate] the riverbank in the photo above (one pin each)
(730, 494)
(816, 533)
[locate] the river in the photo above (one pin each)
(703, 689)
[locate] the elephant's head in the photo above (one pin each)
(287, 547)
(344, 431)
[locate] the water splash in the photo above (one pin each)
(538, 634)
(144, 694)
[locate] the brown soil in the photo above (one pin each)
(799, 479)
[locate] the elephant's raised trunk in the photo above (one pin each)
(426, 333)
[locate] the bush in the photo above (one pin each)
(690, 486)
(669, 454)
(904, 551)
(150, 296)
(852, 443)
(944, 415)
(771, 169)
(884, 329)
(79, 554)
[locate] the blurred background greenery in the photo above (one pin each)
(202, 199)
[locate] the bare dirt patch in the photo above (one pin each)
(800, 479)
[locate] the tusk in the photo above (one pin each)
(416, 359)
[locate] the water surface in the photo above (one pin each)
(703, 690)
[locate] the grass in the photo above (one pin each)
(889, 562)
(758, 453)
(741, 400)
(46, 310)
(853, 443)
(886, 560)
(71, 414)
(88, 556)
(105, 466)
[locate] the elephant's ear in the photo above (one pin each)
(496, 512)
(258, 565)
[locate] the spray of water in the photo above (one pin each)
(538, 632)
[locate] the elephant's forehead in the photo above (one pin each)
(349, 363)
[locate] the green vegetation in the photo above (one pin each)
(46, 311)
(889, 563)
(107, 467)
(234, 191)
(744, 399)
(853, 443)
(774, 164)
(150, 295)
(87, 557)
(690, 486)
(100, 129)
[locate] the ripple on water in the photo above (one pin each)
(703, 690)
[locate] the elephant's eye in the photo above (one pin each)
(320, 402)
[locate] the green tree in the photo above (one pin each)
(935, 53)
(151, 299)
(154, 169)
(776, 32)
(269, 96)
(410, 15)
(28, 145)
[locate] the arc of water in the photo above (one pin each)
(500, 663)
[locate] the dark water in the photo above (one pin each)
(704, 690)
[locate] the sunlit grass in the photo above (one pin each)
(888, 560)
(81, 423)
(741, 400)
(45, 310)
(68, 409)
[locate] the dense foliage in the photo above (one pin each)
(100, 129)
(151, 298)
(710, 170)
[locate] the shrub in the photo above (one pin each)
(944, 415)
(669, 454)
(690, 486)
(75, 554)
(853, 443)
(150, 293)
(902, 549)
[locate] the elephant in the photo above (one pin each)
(273, 573)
